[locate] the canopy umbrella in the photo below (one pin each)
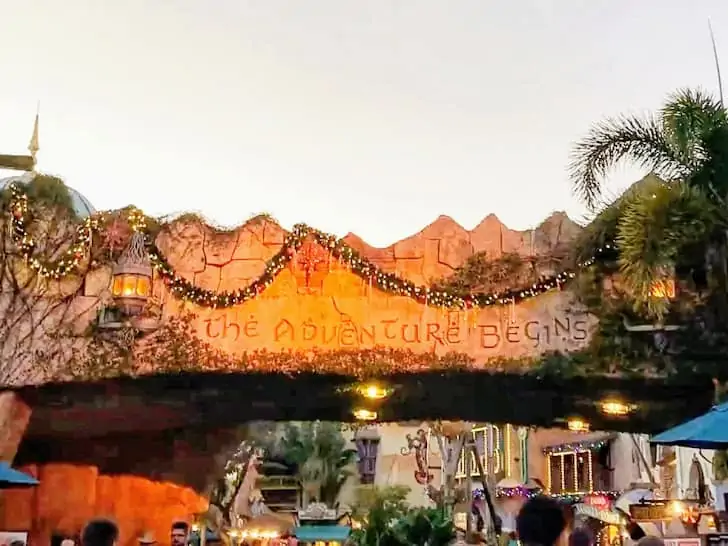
(632, 496)
(709, 431)
(12, 479)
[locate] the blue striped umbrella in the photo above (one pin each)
(709, 431)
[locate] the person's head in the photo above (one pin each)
(68, 542)
(580, 537)
(179, 533)
(541, 521)
(100, 532)
(650, 541)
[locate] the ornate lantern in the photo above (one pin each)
(132, 277)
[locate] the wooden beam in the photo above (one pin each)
(17, 162)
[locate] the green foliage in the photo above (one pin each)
(46, 191)
(662, 221)
(320, 454)
(421, 526)
(392, 498)
(248, 454)
(480, 274)
(380, 509)
(425, 526)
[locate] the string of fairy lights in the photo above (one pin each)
(186, 290)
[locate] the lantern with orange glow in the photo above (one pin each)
(663, 289)
(132, 277)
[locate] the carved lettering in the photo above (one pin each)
(433, 333)
(209, 330)
(333, 335)
(395, 332)
(452, 335)
(512, 333)
(581, 330)
(388, 332)
(308, 330)
(228, 329)
(530, 331)
(231, 326)
(489, 337)
(348, 334)
(369, 333)
(250, 328)
(562, 328)
(284, 328)
(414, 336)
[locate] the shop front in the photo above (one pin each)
(597, 513)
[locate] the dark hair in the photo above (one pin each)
(17, 543)
(540, 521)
(180, 525)
(580, 537)
(100, 532)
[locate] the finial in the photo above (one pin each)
(34, 145)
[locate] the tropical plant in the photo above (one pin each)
(248, 454)
(391, 497)
(321, 456)
(680, 213)
(379, 508)
(426, 527)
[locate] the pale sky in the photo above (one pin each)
(371, 116)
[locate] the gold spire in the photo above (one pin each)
(34, 145)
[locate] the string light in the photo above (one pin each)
(518, 491)
(562, 471)
(574, 497)
(548, 472)
(71, 259)
(579, 447)
(590, 470)
(182, 288)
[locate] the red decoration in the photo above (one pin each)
(600, 502)
(116, 235)
(309, 257)
(418, 445)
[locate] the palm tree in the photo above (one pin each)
(683, 207)
(321, 456)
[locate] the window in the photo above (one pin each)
(368, 450)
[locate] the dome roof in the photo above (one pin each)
(81, 206)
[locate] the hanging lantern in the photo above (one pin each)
(132, 277)
(663, 289)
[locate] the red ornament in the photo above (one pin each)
(116, 235)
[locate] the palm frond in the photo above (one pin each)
(654, 227)
(689, 117)
(641, 141)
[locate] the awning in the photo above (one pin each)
(312, 533)
(569, 442)
(610, 517)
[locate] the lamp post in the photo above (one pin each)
(132, 277)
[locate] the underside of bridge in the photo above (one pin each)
(205, 403)
(132, 444)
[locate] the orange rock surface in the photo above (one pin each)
(68, 496)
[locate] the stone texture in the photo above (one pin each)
(98, 282)
(14, 418)
(183, 243)
(70, 495)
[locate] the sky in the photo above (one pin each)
(370, 116)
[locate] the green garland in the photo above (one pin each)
(389, 283)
